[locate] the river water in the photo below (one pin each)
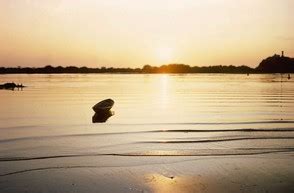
(155, 115)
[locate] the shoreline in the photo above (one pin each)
(129, 73)
(267, 173)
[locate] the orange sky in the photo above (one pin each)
(131, 33)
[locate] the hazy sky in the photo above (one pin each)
(131, 33)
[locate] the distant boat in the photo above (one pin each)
(103, 106)
(11, 86)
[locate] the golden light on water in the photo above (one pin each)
(177, 184)
(163, 92)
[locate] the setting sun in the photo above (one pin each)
(164, 55)
(128, 33)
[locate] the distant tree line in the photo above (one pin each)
(182, 68)
(171, 68)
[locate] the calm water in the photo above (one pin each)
(179, 115)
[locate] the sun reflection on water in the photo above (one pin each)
(163, 93)
(176, 184)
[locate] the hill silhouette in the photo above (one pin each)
(276, 64)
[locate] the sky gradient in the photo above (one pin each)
(132, 33)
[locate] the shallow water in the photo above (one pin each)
(155, 115)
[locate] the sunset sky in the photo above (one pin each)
(132, 33)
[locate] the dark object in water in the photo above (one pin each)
(103, 106)
(102, 111)
(289, 77)
(11, 86)
(102, 117)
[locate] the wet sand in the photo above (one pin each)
(110, 158)
(255, 173)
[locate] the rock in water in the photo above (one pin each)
(102, 111)
(11, 86)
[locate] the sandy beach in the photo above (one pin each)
(262, 173)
